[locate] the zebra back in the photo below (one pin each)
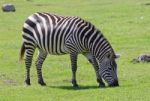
(52, 33)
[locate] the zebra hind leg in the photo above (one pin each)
(91, 58)
(73, 58)
(28, 62)
(41, 57)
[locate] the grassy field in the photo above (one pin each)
(125, 23)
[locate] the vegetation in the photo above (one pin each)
(125, 23)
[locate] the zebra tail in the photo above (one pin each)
(22, 51)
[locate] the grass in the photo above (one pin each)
(124, 23)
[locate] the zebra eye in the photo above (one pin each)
(109, 68)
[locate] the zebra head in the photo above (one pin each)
(108, 70)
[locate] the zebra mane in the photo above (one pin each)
(110, 52)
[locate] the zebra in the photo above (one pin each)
(58, 35)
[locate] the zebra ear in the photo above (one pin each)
(110, 55)
(113, 56)
(117, 56)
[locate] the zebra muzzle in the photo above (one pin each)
(114, 84)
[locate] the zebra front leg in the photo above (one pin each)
(28, 62)
(39, 63)
(73, 58)
(91, 58)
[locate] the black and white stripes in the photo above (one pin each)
(53, 34)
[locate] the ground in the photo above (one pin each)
(125, 23)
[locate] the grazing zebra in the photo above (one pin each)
(57, 35)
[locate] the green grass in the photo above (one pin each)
(125, 23)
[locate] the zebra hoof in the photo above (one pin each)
(74, 83)
(27, 82)
(42, 83)
(75, 86)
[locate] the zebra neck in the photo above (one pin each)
(99, 46)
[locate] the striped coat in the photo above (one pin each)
(53, 34)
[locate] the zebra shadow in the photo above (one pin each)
(75, 88)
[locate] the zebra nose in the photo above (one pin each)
(114, 84)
